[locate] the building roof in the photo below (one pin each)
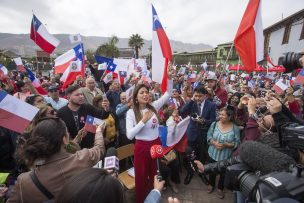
(294, 17)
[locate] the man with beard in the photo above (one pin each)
(75, 113)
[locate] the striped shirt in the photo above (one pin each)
(231, 136)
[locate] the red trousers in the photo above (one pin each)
(145, 168)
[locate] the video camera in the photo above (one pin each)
(275, 185)
(291, 61)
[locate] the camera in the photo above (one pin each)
(291, 61)
(274, 186)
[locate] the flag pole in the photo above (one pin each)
(37, 67)
(225, 62)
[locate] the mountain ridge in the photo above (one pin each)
(22, 45)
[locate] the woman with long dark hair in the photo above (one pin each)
(45, 153)
(142, 124)
(223, 138)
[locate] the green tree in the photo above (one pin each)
(136, 42)
(109, 49)
(90, 56)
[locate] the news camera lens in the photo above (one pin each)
(247, 182)
(291, 61)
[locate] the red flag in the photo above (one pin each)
(249, 37)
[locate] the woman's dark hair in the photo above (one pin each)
(96, 100)
(31, 99)
(230, 111)
(92, 185)
(237, 94)
(137, 113)
(45, 140)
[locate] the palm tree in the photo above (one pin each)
(136, 42)
(109, 49)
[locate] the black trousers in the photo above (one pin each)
(212, 178)
(200, 147)
(170, 171)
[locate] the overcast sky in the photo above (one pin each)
(194, 21)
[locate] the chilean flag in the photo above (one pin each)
(300, 77)
(35, 82)
(75, 64)
(122, 77)
(91, 123)
(19, 64)
(173, 136)
(249, 39)
(42, 37)
(15, 114)
(3, 71)
(161, 52)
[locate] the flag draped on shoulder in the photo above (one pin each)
(249, 39)
(161, 52)
(74, 62)
(35, 82)
(42, 37)
(15, 114)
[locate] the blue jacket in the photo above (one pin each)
(153, 197)
(209, 114)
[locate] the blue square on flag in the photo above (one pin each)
(123, 74)
(111, 67)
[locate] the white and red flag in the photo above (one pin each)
(15, 114)
(74, 64)
(19, 64)
(161, 52)
(3, 71)
(42, 37)
(249, 39)
(35, 82)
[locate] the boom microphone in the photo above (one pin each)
(261, 157)
(156, 152)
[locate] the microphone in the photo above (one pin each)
(111, 161)
(262, 157)
(156, 152)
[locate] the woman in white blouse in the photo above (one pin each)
(142, 123)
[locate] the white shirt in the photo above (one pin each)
(147, 131)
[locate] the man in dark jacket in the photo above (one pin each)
(197, 130)
(75, 113)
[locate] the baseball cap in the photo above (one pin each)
(211, 77)
(52, 87)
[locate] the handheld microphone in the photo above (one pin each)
(111, 161)
(156, 152)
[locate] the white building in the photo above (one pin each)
(285, 36)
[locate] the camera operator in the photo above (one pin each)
(270, 159)
(204, 112)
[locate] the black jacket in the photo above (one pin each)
(85, 109)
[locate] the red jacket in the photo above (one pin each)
(223, 96)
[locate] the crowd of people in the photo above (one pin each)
(53, 159)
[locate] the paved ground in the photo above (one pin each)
(195, 192)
